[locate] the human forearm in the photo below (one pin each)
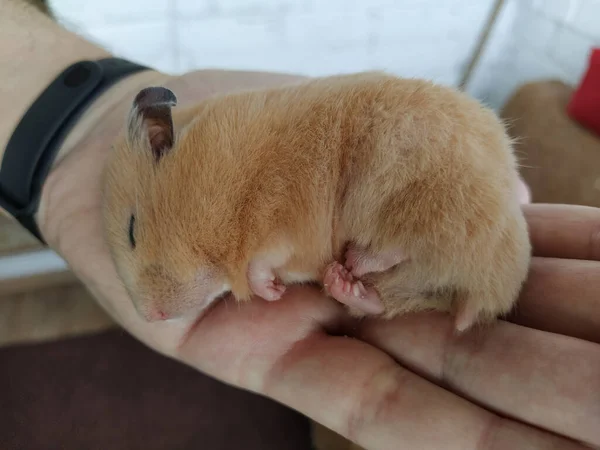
(34, 49)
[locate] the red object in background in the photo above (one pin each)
(584, 106)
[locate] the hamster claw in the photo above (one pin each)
(465, 318)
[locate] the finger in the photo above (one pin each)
(362, 394)
(561, 296)
(547, 380)
(345, 384)
(564, 231)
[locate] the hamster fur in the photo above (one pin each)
(396, 195)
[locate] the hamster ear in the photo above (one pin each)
(150, 120)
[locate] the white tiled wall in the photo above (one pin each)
(538, 39)
(430, 38)
(426, 38)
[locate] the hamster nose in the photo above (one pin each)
(155, 315)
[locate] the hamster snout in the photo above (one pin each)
(161, 295)
(396, 195)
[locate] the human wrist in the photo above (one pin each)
(34, 50)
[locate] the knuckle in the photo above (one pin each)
(375, 401)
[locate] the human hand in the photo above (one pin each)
(541, 367)
(295, 351)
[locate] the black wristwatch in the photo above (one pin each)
(38, 136)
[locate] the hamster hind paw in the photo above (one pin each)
(340, 284)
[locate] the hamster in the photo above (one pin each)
(395, 195)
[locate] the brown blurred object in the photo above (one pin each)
(42, 5)
(14, 239)
(325, 439)
(108, 391)
(560, 159)
(50, 314)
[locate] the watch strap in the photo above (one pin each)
(42, 129)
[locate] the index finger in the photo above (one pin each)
(564, 231)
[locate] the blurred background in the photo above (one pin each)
(436, 39)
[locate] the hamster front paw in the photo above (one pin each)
(264, 283)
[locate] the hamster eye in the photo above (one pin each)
(131, 231)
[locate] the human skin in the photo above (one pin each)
(530, 382)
